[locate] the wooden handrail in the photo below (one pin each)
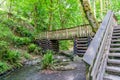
(96, 54)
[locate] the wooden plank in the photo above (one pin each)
(111, 77)
(113, 69)
(95, 44)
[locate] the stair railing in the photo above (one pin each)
(97, 52)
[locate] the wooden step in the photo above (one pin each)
(116, 40)
(111, 77)
(114, 54)
(117, 28)
(116, 34)
(115, 37)
(113, 61)
(114, 49)
(116, 45)
(116, 31)
(113, 69)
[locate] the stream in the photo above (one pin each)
(33, 72)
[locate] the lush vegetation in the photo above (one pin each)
(47, 61)
(21, 20)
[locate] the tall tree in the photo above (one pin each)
(89, 15)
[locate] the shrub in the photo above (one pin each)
(24, 32)
(27, 55)
(35, 49)
(4, 67)
(64, 45)
(31, 47)
(38, 51)
(5, 33)
(3, 48)
(47, 61)
(21, 41)
(12, 56)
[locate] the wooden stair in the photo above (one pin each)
(112, 70)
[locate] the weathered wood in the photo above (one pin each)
(114, 61)
(97, 53)
(115, 45)
(95, 44)
(111, 77)
(114, 54)
(113, 69)
(68, 33)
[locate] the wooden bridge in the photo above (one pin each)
(69, 33)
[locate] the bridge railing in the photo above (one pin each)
(97, 53)
(80, 31)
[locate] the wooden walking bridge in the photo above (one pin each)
(101, 50)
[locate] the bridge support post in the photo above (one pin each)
(46, 44)
(81, 45)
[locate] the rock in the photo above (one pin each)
(70, 66)
(77, 58)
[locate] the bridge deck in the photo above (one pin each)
(69, 33)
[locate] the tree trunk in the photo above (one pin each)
(50, 16)
(89, 15)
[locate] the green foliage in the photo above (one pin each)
(64, 45)
(4, 67)
(3, 48)
(12, 56)
(47, 61)
(27, 55)
(5, 33)
(35, 49)
(31, 47)
(21, 40)
(38, 51)
(24, 32)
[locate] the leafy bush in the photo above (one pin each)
(23, 32)
(12, 56)
(4, 67)
(47, 61)
(3, 48)
(21, 41)
(31, 47)
(64, 45)
(27, 55)
(35, 49)
(5, 33)
(38, 51)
